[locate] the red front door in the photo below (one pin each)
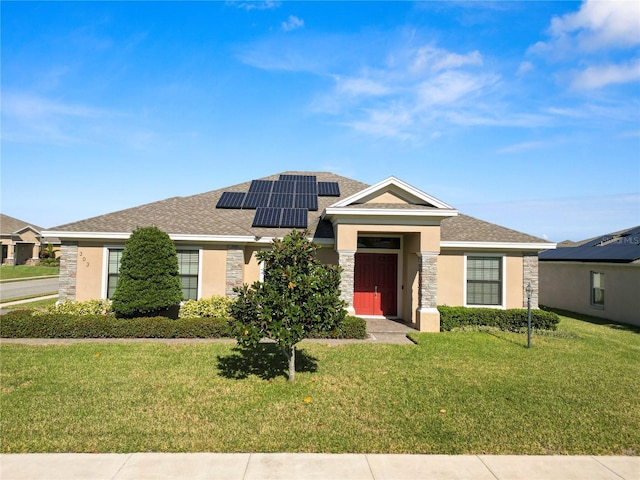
(375, 283)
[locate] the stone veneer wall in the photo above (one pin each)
(68, 270)
(530, 275)
(347, 260)
(428, 281)
(235, 265)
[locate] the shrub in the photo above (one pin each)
(89, 307)
(214, 307)
(513, 319)
(23, 324)
(34, 324)
(350, 327)
(148, 281)
(299, 294)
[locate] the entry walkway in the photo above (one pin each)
(285, 466)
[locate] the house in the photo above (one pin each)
(21, 242)
(599, 276)
(403, 252)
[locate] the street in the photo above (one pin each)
(9, 290)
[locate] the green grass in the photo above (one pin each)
(574, 392)
(24, 271)
(34, 304)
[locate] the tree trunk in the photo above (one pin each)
(292, 363)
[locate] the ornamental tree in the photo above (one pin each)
(148, 280)
(299, 294)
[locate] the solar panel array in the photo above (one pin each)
(282, 203)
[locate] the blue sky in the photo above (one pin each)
(525, 114)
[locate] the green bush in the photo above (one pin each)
(23, 324)
(89, 307)
(214, 307)
(512, 320)
(148, 279)
(350, 327)
(33, 324)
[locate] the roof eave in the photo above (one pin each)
(386, 212)
(497, 245)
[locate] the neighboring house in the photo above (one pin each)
(599, 276)
(21, 242)
(403, 252)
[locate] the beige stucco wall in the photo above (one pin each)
(514, 278)
(90, 274)
(567, 286)
(450, 278)
(347, 235)
(213, 273)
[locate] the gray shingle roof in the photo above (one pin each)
(9, 225)
(198, 215)
(464, 228)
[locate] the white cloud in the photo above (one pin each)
(436, 59)
(525, 67)
(602, 75)
(601, 24)
(360, 86)
(292, 23)
(254, 5)
(522, 147)
(451, 86)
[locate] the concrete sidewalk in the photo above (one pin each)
(284, 466)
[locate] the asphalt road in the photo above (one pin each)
(9, 290)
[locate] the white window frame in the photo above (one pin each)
(105, 267)
(503, 264)
(592, 273)
(199, 284)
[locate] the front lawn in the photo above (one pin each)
(8, 272)
(574, 392)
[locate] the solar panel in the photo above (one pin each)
(283, 187)
(255, 200)
(308, 201)
(307, 187)
(328, 189)
(281, 200)
(298, 178)
(267, 217)
(231, 200)
(294, 218)
(260, 186)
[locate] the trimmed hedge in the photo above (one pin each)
(24, 324)
(512, 320)
(351, 327)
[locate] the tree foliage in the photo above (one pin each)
(148, 281)
(299, 294)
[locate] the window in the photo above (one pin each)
(597, 289)
(115, 254)
(188, 268)
(188, 263)
(379, 242)
(484, 281)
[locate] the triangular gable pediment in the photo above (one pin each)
(393, 191)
